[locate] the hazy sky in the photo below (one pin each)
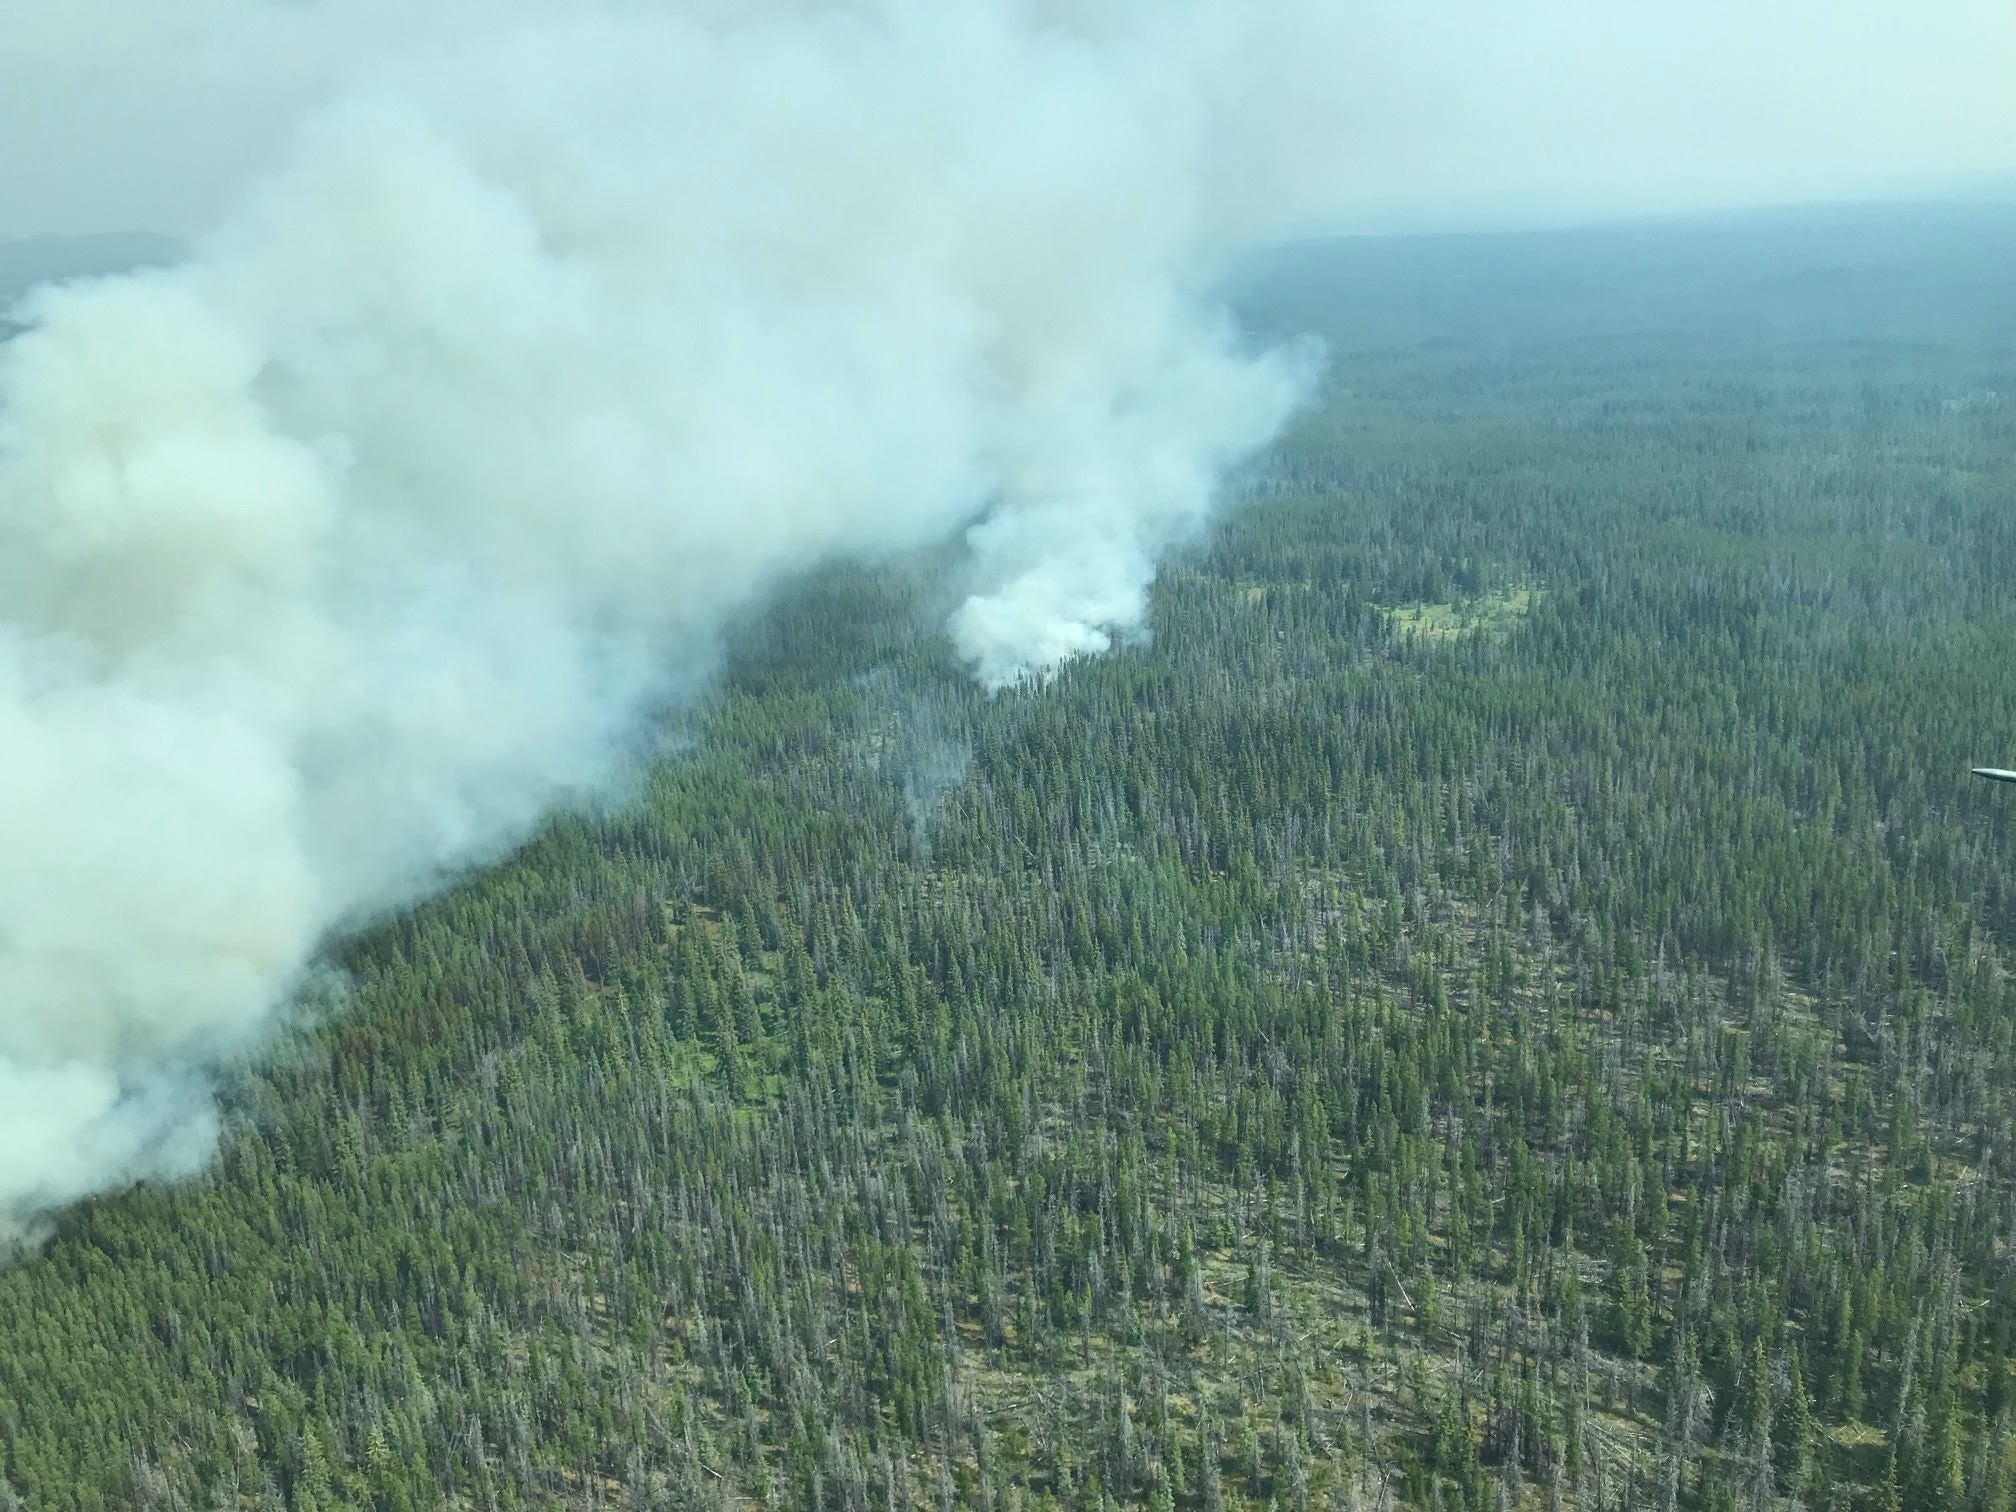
(139, 114)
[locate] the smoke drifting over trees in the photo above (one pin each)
(335, 556)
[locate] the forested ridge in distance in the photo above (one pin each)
(1506, 1001)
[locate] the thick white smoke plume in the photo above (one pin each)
(332, 558)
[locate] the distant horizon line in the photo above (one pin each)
(1495, 216)
(1500, 215)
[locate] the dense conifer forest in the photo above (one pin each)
(1506, 1000)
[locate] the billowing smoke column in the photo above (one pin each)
(334, 557)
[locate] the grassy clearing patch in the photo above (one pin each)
(1491, 614)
